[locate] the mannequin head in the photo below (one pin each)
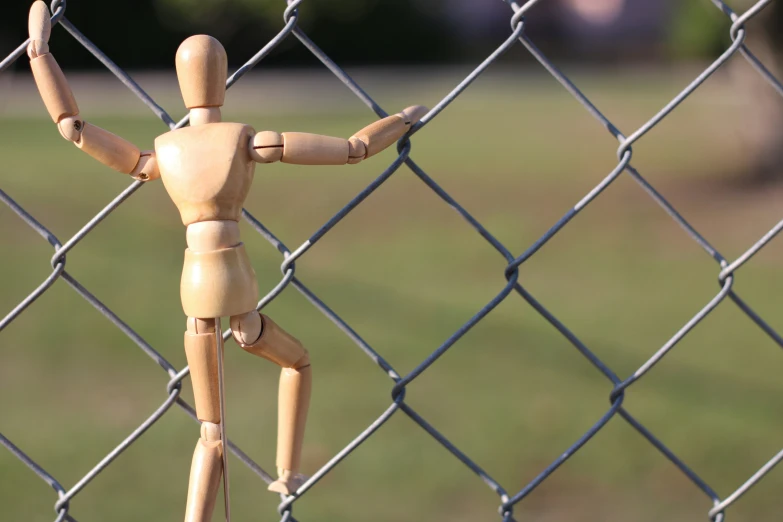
(202, 68)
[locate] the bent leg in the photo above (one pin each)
(259, 335)
(207, 466)
(293, 403)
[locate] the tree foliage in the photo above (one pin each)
(146, 33)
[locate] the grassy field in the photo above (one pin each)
(405, 271)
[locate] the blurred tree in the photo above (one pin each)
(351, 31)
(146, 33)
(695, 31)
(760, 106)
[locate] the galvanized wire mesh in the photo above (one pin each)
(522, 14)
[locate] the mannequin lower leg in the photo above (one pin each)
(293, 402)
(205, 472)
(259, 335)
(207, 466)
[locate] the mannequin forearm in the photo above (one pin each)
(111, 150)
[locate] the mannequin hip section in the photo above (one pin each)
(217, 277)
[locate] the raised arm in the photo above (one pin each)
(313, 149)
(109, 149)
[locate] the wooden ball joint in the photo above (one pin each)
(207, 170)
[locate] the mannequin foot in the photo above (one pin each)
(288, 482)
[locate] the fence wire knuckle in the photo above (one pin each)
(522, 13)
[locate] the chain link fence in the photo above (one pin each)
(522, 14)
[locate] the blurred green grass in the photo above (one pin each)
(406, 271)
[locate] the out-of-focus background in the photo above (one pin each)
(405, 271)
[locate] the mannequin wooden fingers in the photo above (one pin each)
(414, 113)
(39, 26)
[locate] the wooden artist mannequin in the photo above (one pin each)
(207, 170)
